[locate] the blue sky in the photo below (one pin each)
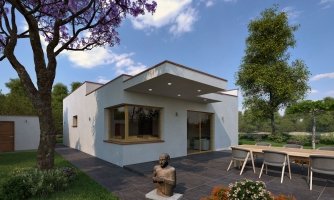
(207, 35)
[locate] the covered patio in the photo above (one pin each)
(196, 176)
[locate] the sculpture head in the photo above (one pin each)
(163, 160)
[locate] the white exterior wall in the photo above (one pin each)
(89, 136)
(26, 131)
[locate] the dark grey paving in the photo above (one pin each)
(196, 176)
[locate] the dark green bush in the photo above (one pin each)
(300, 139)
(253, 136)
(35, 182)
(16, 188)
(327, 139)
(279, 137)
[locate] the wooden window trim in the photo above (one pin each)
(124, 142)
(127, 139)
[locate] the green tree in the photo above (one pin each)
(314, 108)
(267, 80)
(75, 85)
(2, 103)
(325, 119)
(59, 92)
(249, 123)
(16, 102)
(293, 122)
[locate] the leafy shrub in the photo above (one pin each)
(279, 137)
(300, 139)
(253, 136)
(248, 189)
(16, 188)
(34, 182)
(327, 139)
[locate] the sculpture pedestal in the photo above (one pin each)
(154, 196)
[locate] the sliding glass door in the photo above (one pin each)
(198, 132)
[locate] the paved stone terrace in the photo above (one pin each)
(196, 176)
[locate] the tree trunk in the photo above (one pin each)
(313, 130)
(272, 123)
(46, 148)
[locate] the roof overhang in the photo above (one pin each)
(173, 81)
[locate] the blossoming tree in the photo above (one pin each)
(63, 25)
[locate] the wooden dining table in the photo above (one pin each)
(293, 152)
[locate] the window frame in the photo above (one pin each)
(75, 121)
(127, 138)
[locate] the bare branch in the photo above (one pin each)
(14, 26)
(35, 41)
(5, 17)
(75, 34)
(34, 10)
(75, 15)
(2, 58)
(24, 34)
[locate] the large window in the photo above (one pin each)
(134, 123)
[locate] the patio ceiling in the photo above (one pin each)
(174, 86)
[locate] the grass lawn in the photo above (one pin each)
(83, 187)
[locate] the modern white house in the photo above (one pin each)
(168, 108)
(19, 133)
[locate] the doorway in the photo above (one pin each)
(6, 136)
(198, 132)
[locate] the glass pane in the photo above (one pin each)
(143, 122)
(205, 131)
(198, 132)
(193, 128)
(118, 123)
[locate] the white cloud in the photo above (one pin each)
(102, 79)
(184, 22)
(172, 13)
(209, 3)
(292, 13)
(123, 63)
(313, 91)
(322, 76)
(166, 12)
(90, 59)
(326, 3)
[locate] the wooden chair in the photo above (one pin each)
(243, 156)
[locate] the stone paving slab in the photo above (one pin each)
(196, 176)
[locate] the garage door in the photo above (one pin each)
(6, 136)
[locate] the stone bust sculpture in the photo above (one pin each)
(164, 176)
